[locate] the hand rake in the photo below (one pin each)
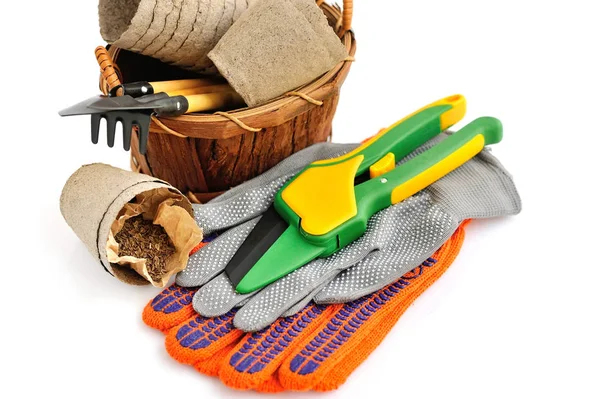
(139, 111)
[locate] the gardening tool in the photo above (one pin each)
(327, 206)
(201, 86)
(139, 111)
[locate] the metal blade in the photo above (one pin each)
(101, 104)
(82, 108)
(125, 103)
(268, 229)
(290, 252)
(128, 103)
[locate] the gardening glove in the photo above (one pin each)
(397, 239)
(316, 349)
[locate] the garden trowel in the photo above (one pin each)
(328, 204)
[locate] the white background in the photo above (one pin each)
(515, 316)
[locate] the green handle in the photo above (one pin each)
(425, 169)
(407, 134)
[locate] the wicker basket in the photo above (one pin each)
(206, 154)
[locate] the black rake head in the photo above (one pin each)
(130, 112)
(129, 120)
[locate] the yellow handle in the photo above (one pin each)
(212, 101)
(435, 163)
(175, 85)
(439, 170)
(454, 109)
(221, 88)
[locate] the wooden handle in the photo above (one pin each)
(185, 84)
(212, 101)
(202, 90)
(110, 75)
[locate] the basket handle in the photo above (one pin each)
(345, 24)
(347, 17)
(110, 75)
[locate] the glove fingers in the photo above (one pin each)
(279, 297)
(302, 303)
(397, 239)
(211, 365)
(211, 259)
(218, 297)
(418, 228)
(269, 304)
(272, 385)
(255, 360)
(200, 338)
(324, 360)
(171, 307)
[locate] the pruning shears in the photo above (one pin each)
(329, 203)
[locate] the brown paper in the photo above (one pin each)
(162, 207)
